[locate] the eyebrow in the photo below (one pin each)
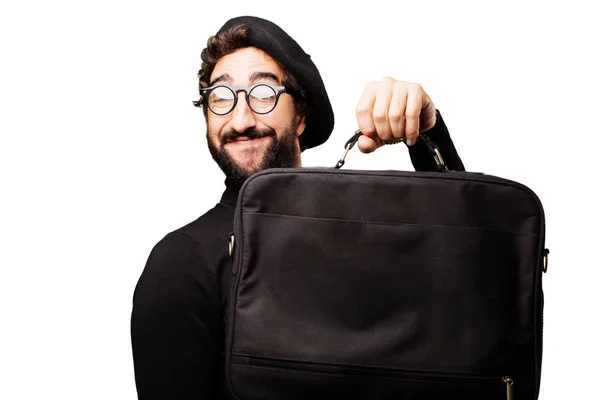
(259, 75)
(255, 76)
(221, 78)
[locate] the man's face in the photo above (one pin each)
(243, 142)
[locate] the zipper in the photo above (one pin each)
(409, 376)
(539, 310)
(235, 253)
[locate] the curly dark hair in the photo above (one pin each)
(227, 42)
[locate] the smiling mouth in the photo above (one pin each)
(246, 139)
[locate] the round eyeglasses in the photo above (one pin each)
(261, 98)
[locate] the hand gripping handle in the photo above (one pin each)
(433, 149)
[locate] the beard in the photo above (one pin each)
(282, 152)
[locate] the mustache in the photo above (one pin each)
(250, 133)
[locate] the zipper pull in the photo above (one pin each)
(231, 241)
(546, 252)
(509, 387)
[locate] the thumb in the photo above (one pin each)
(367, 144)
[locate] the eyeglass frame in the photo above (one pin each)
(205, 92)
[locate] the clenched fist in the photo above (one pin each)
(392, 111)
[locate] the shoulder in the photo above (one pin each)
(176, 269)
(215, 223)
(171, 252)
(194, 248)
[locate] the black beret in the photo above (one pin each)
(273, 40)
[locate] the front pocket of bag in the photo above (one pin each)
(445, 302)
(303, 380)
(402, 297)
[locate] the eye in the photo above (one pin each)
(263, 93)
(221, 94)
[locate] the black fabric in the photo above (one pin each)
(385, 285)
(269, 37)
(177, 323)
(420, 158)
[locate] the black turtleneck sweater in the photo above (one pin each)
(178, 324)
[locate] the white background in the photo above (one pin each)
(102, 154)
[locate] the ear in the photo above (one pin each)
(301, 124)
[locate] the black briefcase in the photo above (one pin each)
(385, 285)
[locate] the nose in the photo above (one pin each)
(242, 117)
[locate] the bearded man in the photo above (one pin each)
(264, 103)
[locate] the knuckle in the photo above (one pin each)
(400, 84)
(411, 133)
(419, 89)
(362, 111)
(379, 116)
(395, 116)
(372, 85)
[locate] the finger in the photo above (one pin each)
(381, 110)
(364, 111)
(428, 115)
(397, 110)
(413, 111)
(367, 144)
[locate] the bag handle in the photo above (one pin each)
(433, 149)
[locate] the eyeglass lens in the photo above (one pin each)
(261, 99)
